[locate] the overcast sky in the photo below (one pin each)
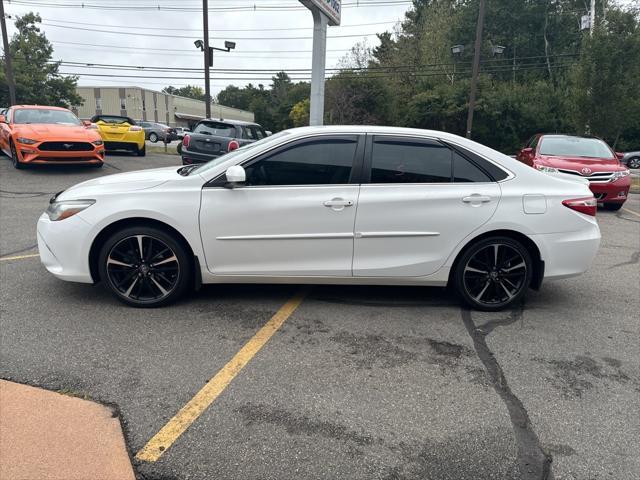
(150, 37)
(250, 30)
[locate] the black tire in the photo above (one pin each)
(153, 137)
(138, 280)
(491, 279)
(633, 162)
(612, 207)
(14, 157)
(179, 148)
(141, 152)
(97, 165)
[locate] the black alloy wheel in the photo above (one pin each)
(494, 273)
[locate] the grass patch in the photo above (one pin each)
(171, 150)
(635, 185)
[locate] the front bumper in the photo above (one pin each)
(32, 155)
(612, 192)
(64, 247)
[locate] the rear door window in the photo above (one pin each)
(409, 161)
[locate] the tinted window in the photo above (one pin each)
(495, 173)
(316, 162)
(216, 128)
(253, 133)
(465, 171)
(404, 161)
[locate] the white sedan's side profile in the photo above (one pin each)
(331, 205)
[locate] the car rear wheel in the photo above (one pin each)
(634, 162)
(613, 207)
(14, 157)
(153, 137)
(142, 151)
(493, 274)
(144, 266)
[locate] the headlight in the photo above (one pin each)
(98, 142)
(26, 141)
(544, 168)
(67, 208)
(620, 174)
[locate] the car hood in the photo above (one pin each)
(578, 163)
(121, 182)
(40, 132)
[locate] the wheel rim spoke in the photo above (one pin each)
(520, 265)
(112, 261)
(172, 258)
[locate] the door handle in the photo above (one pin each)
(476, 199)
(338, 203)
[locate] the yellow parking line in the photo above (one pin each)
(19, 257)
(631, 212)
(188, 414)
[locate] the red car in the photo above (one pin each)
(587, 157)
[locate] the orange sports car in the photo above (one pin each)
(34, 135)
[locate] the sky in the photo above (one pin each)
(150, 37)
(143, 33)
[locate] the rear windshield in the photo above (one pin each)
(216, 128)
(43, 115)
(112, 119)
(574, 147)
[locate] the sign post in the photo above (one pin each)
(325, 12)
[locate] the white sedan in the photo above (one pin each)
(326, 205)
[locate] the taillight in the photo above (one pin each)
(586, 205)
(233, 145)
(135, 128)
(186, 140)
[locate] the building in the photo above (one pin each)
(142, 104)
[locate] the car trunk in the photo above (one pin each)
(113, 132)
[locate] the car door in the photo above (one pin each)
(423, 198)
(293, 217)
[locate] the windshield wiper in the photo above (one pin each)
(187, 169)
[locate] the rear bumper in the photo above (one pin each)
(122, 145)
(64, 248)
(612, 192)
(568, 254)
(189, 157)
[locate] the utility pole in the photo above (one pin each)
(318, 59)
(8, 67)
(476, 67)
(592, 19)
(207, 57)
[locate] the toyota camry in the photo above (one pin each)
(327, 205)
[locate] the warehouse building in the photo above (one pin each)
(150, 105)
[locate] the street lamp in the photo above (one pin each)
(457, 50)
(497, 50)
(228, 46)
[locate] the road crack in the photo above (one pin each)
(533, 461)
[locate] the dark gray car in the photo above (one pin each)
(154, 131)
(631, 159)
(212, 138)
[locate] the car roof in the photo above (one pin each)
(39, 107)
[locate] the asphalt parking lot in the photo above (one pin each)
(358, 382)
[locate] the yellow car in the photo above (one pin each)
(120, 133)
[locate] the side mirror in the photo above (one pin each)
(619, 155)
(3, 119)
(235, 176)
(268, 132)
(86, 123)
(526, 151)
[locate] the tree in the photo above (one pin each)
(189, 91)
(299, 114)
(36, 75)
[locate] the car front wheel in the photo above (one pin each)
(145, 266)
(634, 162)
(493, 274)
(14, 157)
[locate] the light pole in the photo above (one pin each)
(208, 62)
(8, 67)
(456, 51)
(476, 67)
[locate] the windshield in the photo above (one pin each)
(227, 156)
(46, 116)
(574, 147)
